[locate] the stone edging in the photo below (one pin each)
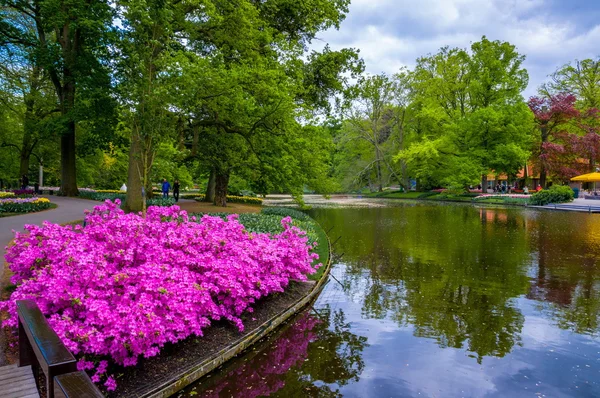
(189, 376)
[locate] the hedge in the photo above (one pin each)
(231, 198)
(556, 194)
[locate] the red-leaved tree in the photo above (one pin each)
(569, 140)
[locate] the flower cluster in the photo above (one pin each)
(125, 285)
(24, 192)
(23, 205)
(24, 200)
(6, 194)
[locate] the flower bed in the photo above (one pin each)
(6, 195)
(124, 286)
(23, 205)
(24, 193)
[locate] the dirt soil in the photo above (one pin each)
(178, 358)
(205, 207)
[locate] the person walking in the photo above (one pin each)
(176, 190)
(165, 188)
(24, 181)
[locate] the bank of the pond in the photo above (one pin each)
(502, 199)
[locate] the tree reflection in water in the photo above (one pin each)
(455, 273)
(282, 368)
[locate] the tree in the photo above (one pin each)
(581, 79)
(552, 115)
(244, 88)
(148, 48)
(66, 41)
(469, 114)
(374, 111)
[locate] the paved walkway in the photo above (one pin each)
(69, 209)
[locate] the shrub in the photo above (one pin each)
(160, 202)
(428, 194)
(285, 212)
(556, 194)
(102, 196)
(125, 286)
(234, 199)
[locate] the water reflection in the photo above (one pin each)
(315, 355)
(453, 300)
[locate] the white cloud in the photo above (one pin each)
(393, 33)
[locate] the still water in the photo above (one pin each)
(438, 300)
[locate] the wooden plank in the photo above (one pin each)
(15, 379)
(45, 342)
(4, 370)
(23, 394)
(75, 385)
(21, 389)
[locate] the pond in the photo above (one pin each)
(439, 300)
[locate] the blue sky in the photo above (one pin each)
(393, 33)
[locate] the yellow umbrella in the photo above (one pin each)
(590, 177)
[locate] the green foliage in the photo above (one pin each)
(234, 199)
(101, 196)
(160, 202)
(286, 212)
(269, 221)
(556, 194)
(469, 114)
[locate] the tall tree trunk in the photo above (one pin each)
(484, 183)
(210, 187)
(70, 45)
(544, 135)
(147, 169)
(221, 183)
(29, 122)
(24, 162)
(378, 169)
(68, 172)
(134, 201)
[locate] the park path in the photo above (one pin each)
(69, 209)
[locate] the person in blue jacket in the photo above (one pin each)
(165, 188)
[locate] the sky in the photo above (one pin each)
(391, 34)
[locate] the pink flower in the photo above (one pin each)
(124, 286)
(110, 384)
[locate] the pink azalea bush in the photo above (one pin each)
(124, 286)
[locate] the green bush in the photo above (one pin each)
(159, 201)
(428, 194)
(102, 196)
(234, 199)
(269, 223)
(556, 194)
(285, 212)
